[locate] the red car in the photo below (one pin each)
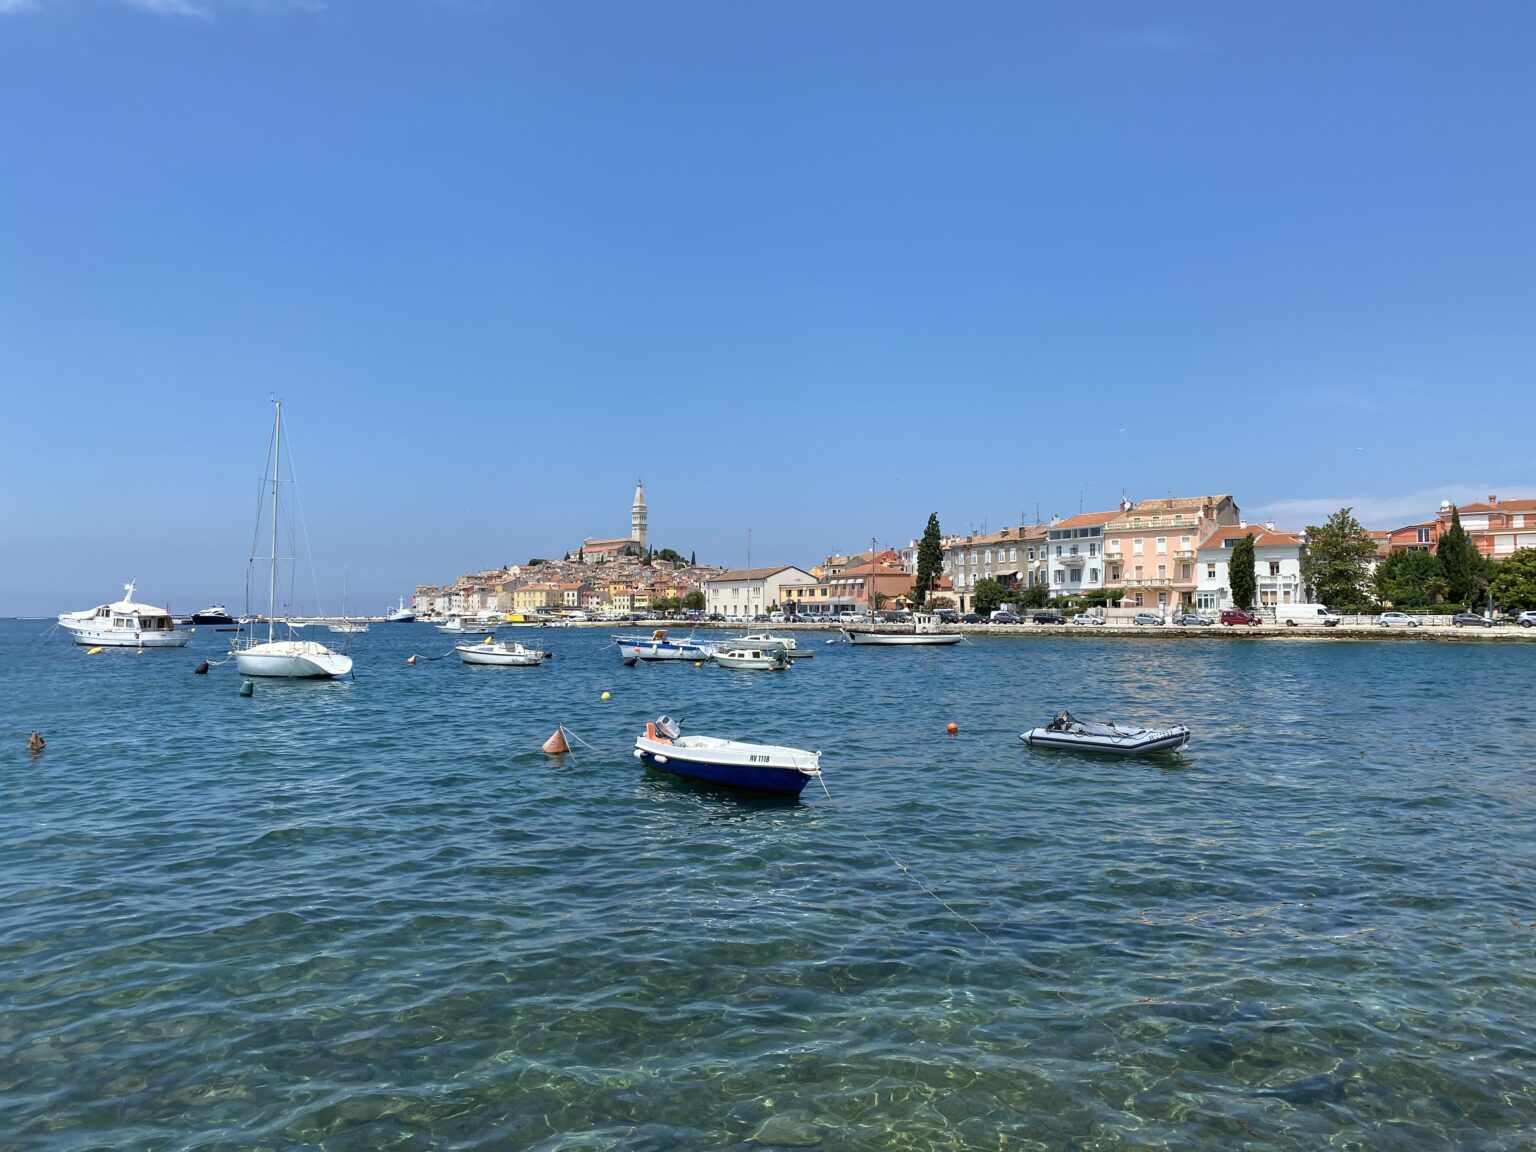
(1239, 616)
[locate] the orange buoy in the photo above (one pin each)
(411, 660)
(556, 743)
(36, 743)
(952, 728)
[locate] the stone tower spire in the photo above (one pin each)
(637, 531)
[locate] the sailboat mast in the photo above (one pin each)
(277, 469)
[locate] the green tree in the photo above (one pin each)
(1413, 577)
(666, 604)
(1336, 562)
(670, 556)
(1240, 572)
(1514, 581)
(1035, 596)
(930, 559)
(692, 561)
(987, 595)
(694, 601)
(1461, 561)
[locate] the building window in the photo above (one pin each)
(1184, 573)
(986, 556)
(1031, 553)
(1013, 555)
(1093, 575)
(1058, 549)
(1136, 546)
(1061, 576)
(1162, 545)
(1210, 571)
(1423, 535)
(1093, 549)
(1274, 567)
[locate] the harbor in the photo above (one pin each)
(370, 912)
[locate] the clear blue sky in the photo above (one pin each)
(811, 269)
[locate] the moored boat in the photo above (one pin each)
(768, 640)
(289, 658)
(400, 614)
(925, 630)
(657, 646)
(1066, 731)
(740, 656)
(500, 654)
(215, 615)
(124, 623)
(757, 767)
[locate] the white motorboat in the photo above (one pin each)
(738, 655)
(452, 624)
(400, 614)
(926, 629)
(768, 640)
(124, 624)
(657, 646)
(758, 767)
(1066, 731)
(499, 653)
(285, 658)
(348, 627)
(215, 615)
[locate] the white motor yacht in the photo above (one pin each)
(124, 624)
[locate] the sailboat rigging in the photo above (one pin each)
(290, 658)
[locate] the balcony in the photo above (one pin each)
(1149, 582)
(1075, 560)
(1184, 556)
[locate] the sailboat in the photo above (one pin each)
(289, 658)
(346, 625)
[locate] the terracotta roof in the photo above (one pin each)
(756, 573)
(1500, 506)
(1085, 520)
(1173, 504)
(1262, 538)
(1001, 536)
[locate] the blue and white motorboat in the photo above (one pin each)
(1066, 731)
(757, 767)
(657, 646)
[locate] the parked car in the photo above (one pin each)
(1240, 616)
(1151, 618)
(946, 616)
(1397, 620)
(1191, 620)
(1087, 618)
(717, 615)
(1049, 616)
(1526, 619)
(973, 618)
(1001, 617)
(1471, 620)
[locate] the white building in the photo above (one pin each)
(746, 592)
(1075, 553)
(1276, 568)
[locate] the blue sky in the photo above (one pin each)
(811, 269)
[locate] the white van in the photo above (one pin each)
(1295, 615)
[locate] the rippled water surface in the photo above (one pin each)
(373, 915)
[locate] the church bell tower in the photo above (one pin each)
(637, 531)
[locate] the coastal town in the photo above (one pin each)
(1169, 557)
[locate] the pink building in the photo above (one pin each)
(1150, 548)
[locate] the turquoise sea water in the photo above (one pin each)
(373, 915)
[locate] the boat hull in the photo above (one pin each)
(499, 655)
(662, 650)
(1131, 742)
(122, 638)
(292, 660)
(902, 639)
(731, 765)
(753, 663)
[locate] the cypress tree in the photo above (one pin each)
(930, 558)
(1460, 560)
(1240, 573)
